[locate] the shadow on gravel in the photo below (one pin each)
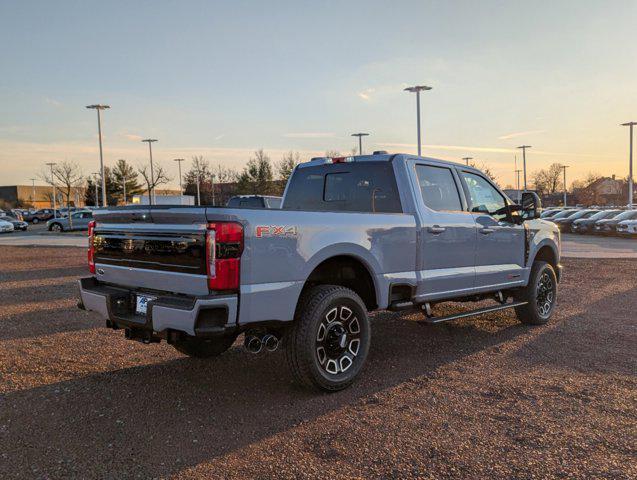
(46, 322)
(62, 290)
(159, 419)
(601, 336)
(41, 273)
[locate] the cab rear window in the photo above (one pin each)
(352, 187)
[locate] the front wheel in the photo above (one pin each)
(56, 227)
(328, 342)
(540, 295)
(36, 220)
(204, 347)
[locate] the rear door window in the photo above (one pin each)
(352, 187)
(438, 188)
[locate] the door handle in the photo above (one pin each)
(486, 230)
(436, 229)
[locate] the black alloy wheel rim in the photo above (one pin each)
(545, 295)
(338, 340)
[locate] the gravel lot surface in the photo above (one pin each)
(478, 398)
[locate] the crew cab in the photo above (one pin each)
(353, 235)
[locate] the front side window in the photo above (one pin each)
(438, 188)
(483, 197)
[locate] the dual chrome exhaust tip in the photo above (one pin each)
(258, 343)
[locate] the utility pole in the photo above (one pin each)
(524, 147)
(630, 164)
(198, 194)
(99, 107)
(151, 194)
(212, 181)
(360, 141)
(33, 192)
(124, 187)
(181, 188)
(564, 167)
(97, 202)
(417, 89)
(466, 159)
(51, 164)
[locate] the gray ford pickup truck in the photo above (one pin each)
(353, 235)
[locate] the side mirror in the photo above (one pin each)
(531, 205)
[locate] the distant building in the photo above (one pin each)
(40, 196)
(603, 191)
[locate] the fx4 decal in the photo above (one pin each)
(275, 231)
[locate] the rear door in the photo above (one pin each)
(500, 247)
(448, 234)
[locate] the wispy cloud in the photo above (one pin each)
(469, 149)
(53, 102)
(367, 93)
(219, 137)
(132, 136)
(309, 135)
(520, 134)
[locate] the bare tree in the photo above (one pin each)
(66, 177)
(332, 153)
(486, 170)
(159, 178)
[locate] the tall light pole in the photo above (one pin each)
(360, 141)
(517, 172)
(33, 191)
(524, 147)
(564, 167)
(181, 188)
(417, 89)
(630, 164)
(97, 198)
(99, 108)
(466, 159)
(151, 194)
(51, 164)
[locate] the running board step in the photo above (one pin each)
(471, 313)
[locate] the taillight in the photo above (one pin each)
(224, 245)
(91, 248)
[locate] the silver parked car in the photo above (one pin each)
(79, 221)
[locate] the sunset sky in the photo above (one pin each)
(221, 79)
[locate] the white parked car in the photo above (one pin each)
(6, 227)
(627, 228)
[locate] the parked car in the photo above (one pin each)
(78, 221)
(17, 224)
(586, 225)
(608, 226)
(6, 227)
(564, 224)
(550, 212)
(254, 201)
(44, 214)
(563, 214)
(354, 235)
(64, 212)
(627, 228)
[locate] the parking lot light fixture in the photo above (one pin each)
(466, 159)
(630, 164)
(181, 188)
(51, 164)
(97, 203)
(564, 167)
(417, 89)
(523, 148)
(151, 194)
(360, 141)
(99, 108)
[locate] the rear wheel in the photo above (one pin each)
(540, 295)
(327, 345)
(56, 227)
(204, 347)
(35, 220)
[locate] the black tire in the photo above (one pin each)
(324, 338)
(204, 347)
(36, 220)
(540, 293)
(56, 227)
